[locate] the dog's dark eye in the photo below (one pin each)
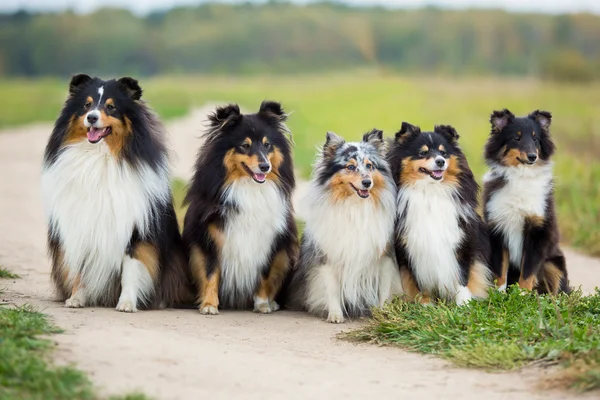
(110, 107)
(245, 146)
(369, 166)
(87, 105)
(443, 153)
(351, 167)
(267, 145)
(517, 138)
(422, 153)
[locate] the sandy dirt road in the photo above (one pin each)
(179, 354)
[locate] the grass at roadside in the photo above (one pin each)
(505, 332)
(352, 103)
(6, 274)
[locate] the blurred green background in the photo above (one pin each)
(337, 68)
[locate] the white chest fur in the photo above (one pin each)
(250, 233)
(94, 202)
(432, 234)
(524, 194)
(353, 234)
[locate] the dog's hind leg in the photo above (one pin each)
(264, 298)
(138, 277)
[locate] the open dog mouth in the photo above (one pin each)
(435, 174)
(258, 178)
(364, 193)
(525, 162)
(94, 135)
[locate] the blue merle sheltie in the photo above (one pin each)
(112, 233)
(519, 203)
(441, 243)
(346, 263)
(239, 228)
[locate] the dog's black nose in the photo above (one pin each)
(366, 183)
(440, 162)
(264, 167)
(531, 157)
(92, 118)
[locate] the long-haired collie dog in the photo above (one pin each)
(519, 203)
(112, 235)
(441, 243)
(346, 263)
(239, 228)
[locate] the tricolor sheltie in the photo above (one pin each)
(112, 235)
(519, 203)
(239, 228)
(441, 243)
(346, 263)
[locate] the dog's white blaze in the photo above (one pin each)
(354, 235)
(432, 232)
(250, 235)
(94, 202)
(101, 93)
(525, 194)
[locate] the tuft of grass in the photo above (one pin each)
(25, 370)
(6, 274)
(507, 331)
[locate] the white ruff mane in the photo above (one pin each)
(93, 202)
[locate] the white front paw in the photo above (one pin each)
(463, 296)
(126, 306)
(335, 317)
(209, 310)
(74, 302)
(274, 305)
(502, 288)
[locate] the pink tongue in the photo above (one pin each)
(438, 174)
(94, 134)
(363, 192)
(260, 177)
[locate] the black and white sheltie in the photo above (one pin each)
(239, 228)
(441, 243)
(519, 203)
(346, 263)
(112, 235)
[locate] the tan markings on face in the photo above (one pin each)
(345, 182)
(441, 148)
(121, 132)
(276, 159)
(452, 172)
(519, 133)
(410, 170)
(248, 141)
(109, 102)
(551, 276)
(264, 140)
(234, 163)
(511, 159)
(424, 148)
(76, 130)
(89, 101)
(269, 287)
(147, 254)
(379, 185)
(533, 133)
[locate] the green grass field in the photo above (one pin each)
(350, 104)
(505, 332)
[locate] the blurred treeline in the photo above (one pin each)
(281, 37)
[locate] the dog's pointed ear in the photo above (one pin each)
(499, 119)
(273, 108)
(332, 143)
(131, 87)
(448, 131)
(406, 131)
(77, 81)
(224, 115)
(544, 118)
(375, 138)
